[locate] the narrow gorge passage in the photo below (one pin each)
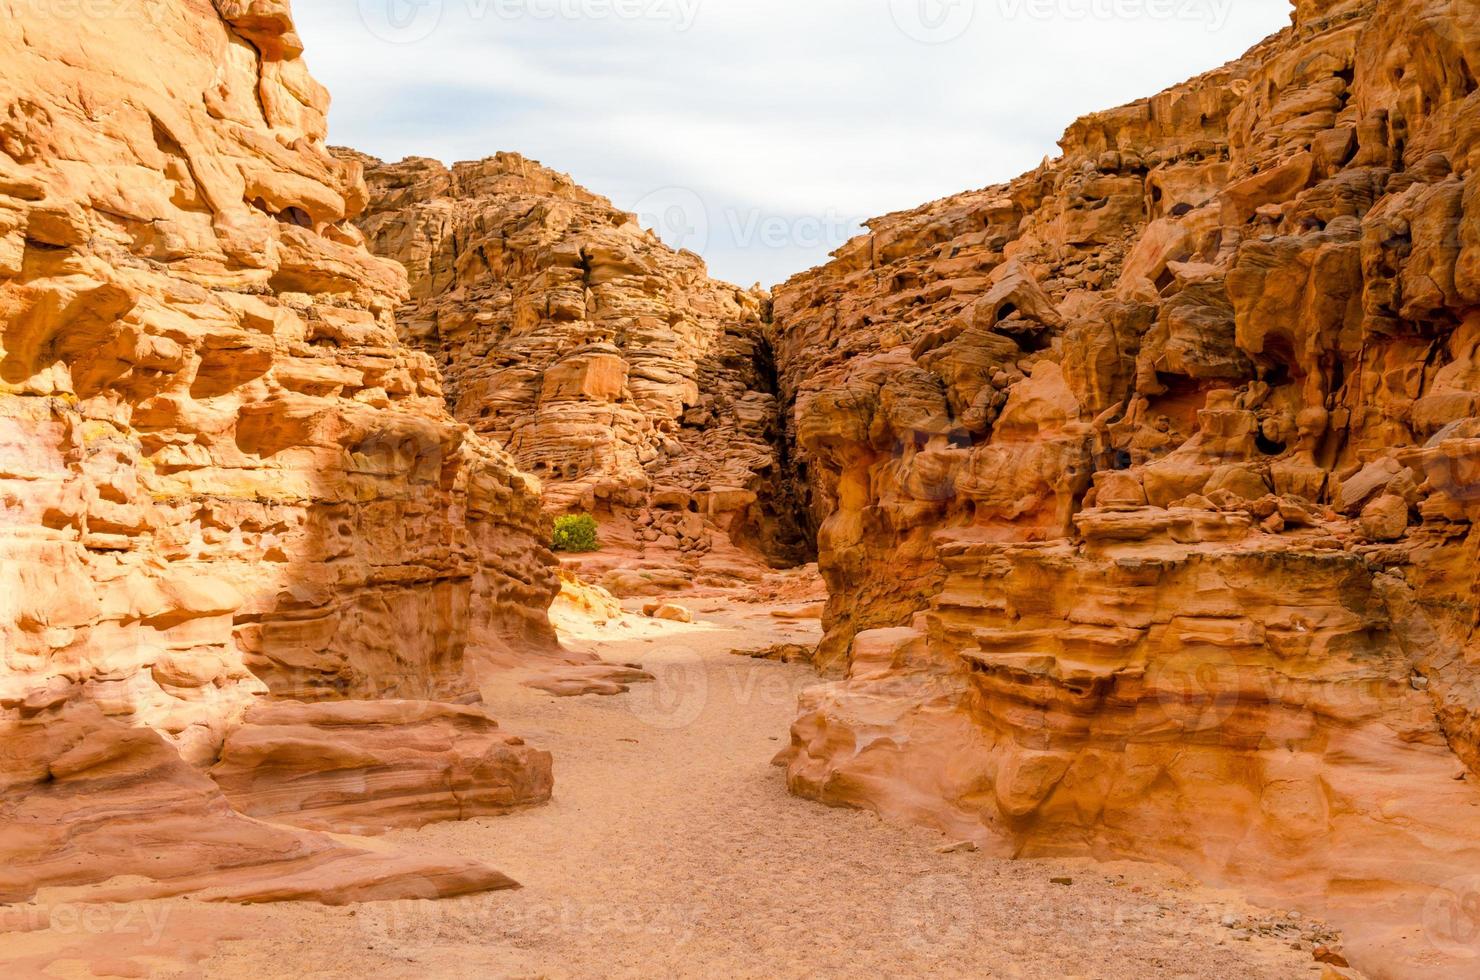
(377, 536)
(672, 848)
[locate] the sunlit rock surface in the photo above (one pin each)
(1146, 484)
(369, 766)
(223, 479)
(611, 366)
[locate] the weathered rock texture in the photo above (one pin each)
(222, 476)
(609, 365)
(369, 766)
(1146, 484)
(116, 808)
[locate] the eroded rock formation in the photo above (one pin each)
(609, 365)
(369, 766)
(222, 476)
(90, 801)
(1146, 484)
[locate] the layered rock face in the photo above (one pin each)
(222, 476)
(369, 766)
(1146, 484)
(610, 366)
(116, 808)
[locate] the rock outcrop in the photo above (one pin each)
(369, 766)
(609, 365)
(223, 478)
(1146, 486)
(115, 811)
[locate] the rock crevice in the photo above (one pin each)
(611, 366)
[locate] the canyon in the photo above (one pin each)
(1141, 493)
(612, 367)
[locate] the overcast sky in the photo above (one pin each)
(758, 133)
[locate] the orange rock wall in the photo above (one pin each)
(221, 475)
(1146, 483)
(611, 366)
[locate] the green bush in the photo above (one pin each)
(575, 532)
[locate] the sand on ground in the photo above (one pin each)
(672, 849)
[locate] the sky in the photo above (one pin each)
(758, 133)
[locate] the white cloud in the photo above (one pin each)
(781, 116)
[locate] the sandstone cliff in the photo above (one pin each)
(223, 478)
(609, 365)
(1146, 484)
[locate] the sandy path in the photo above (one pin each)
(673, 849)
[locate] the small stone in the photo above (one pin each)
(960, 847)
(1385, 519)
(670, 611)
(1062, 881)
(1330, 955)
